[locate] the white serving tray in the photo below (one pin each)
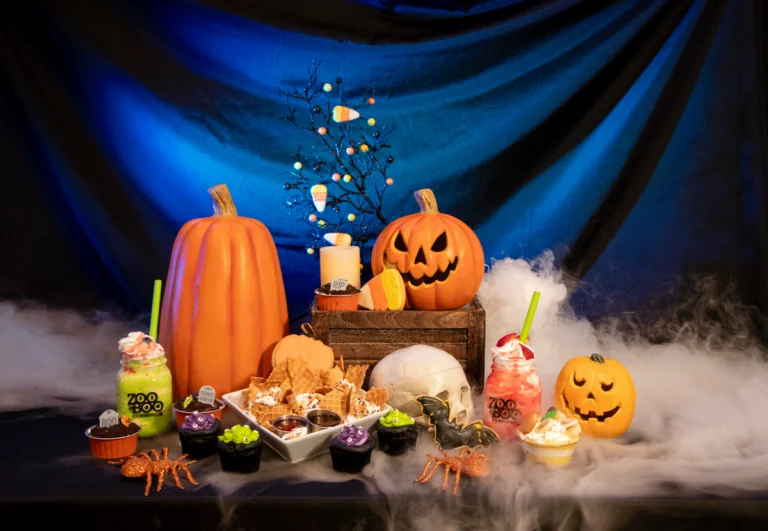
(304, 447)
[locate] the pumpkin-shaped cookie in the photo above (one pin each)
(439, 257)
(599, 392)
(317, 355)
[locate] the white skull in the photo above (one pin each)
(423, 370)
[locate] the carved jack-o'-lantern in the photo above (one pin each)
(599, 393)
(440, 258)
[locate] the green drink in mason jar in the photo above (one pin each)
(144, 390)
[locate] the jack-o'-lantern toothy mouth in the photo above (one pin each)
(439, 276)
(591, 414)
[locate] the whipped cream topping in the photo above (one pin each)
(343, 385)
(308, 401)
(139, 346)
(363, 408)
(552, 432)
(294, 434)
(267, 397)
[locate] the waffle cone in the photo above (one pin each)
(279, 374)
(377, 396)
(356, 375)
(336, 401)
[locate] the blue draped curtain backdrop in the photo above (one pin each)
(627, 137)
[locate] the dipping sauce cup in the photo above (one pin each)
(288, 423)
(322, 419)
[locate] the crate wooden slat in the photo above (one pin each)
(365, 336)
(424, 335)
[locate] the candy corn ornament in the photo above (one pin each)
(319, 196)
(385, 291)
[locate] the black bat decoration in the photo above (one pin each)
(448, 434)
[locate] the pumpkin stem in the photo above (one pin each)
(222, 201)
(426, 200)
(308, 330)
(598, 358)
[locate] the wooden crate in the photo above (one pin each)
(365, 336)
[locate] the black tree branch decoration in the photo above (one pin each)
(338, 186)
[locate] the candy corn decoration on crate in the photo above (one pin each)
(365, 336)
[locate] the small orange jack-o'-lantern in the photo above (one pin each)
(599, 393)
(439, 256)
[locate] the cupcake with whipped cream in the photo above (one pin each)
(351, 450)
(199, 435)
(551, 439)
(396, 432)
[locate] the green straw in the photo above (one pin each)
(529, 317)
(155, 309)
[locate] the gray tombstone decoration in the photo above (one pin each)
(109, 418)
(207, 395)
(339, 284)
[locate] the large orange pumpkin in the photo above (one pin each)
(599, 392)
(224, 306)
(440, 258)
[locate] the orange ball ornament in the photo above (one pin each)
(350, 150)
(390, 181)
(322, 130)
(439, 257)
(224, 270)
(371, 101)
(336, 177)
(312, 218)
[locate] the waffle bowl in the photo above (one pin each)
(304, 447)
(292, 388)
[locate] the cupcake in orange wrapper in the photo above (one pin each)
(113, 437)
(329, 297)
(551, 439)
(192, 406)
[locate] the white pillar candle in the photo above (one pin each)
(340, 262)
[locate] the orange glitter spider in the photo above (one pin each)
(467, 462)
(141, 465)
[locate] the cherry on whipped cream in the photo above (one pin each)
(506, 339)
(527, 352)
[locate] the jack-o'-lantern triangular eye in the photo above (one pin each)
(441, 243)
(400, 243)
